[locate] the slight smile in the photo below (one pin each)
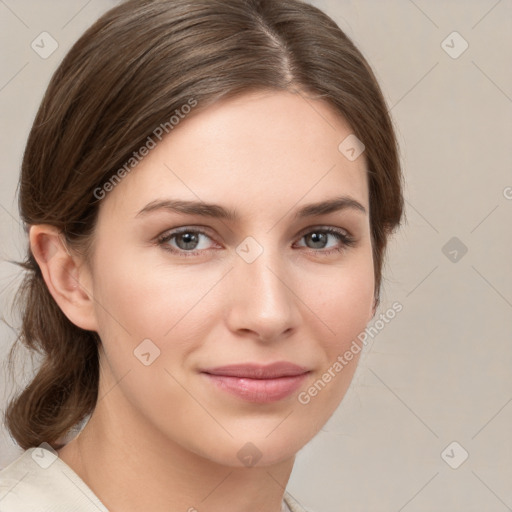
(258, 383)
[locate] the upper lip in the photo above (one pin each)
(258, 371)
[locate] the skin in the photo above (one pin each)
(162, 437)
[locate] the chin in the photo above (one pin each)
(261, 447)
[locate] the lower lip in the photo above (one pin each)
(258, 390)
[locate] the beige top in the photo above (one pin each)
(39, 481)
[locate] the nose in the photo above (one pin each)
(261, 301)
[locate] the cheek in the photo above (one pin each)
(342, 309)
(343, 305)
(137, 301)
(144, 314)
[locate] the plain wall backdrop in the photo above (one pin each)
(426, 423)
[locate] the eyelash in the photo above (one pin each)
(347, 241)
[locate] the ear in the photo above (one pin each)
(67, 277)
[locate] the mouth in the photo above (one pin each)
(258, 383)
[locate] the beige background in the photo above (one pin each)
(441, 370)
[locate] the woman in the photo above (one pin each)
(208, 189)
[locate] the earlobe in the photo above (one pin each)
(66, 277)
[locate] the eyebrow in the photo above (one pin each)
(219, 212)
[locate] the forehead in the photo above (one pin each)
(262, 147)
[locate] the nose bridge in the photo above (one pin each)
(260, 266)
(261, 300)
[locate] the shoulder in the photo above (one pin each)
(39, 481)
(292, 503)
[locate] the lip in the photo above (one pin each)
(258, 371)
(258, 383)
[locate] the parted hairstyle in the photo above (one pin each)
(128, 74)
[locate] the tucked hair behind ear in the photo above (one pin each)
(127, 74)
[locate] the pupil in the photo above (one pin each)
(317, 237)
(189, 238)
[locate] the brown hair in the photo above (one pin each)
(126, 75)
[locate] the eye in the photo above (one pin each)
(193, 242)
(187, 241)
(319, 238)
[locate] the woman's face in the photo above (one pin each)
(268, 284)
